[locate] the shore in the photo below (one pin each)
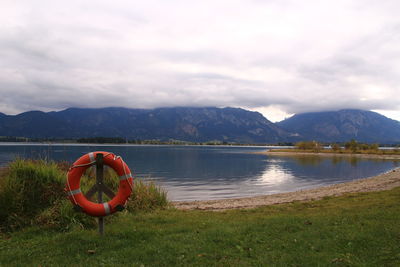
(355, 155)
(381, 182)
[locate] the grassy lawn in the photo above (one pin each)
(354, 230)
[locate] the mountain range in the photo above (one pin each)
(201, 124)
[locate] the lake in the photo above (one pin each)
(213, 172)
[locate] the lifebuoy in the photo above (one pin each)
(79, 199)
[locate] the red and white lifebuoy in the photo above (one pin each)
(99, 209)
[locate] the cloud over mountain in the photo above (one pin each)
(281, 54)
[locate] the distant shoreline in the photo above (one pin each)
(385, 181)
(131, 144)
(314, 154)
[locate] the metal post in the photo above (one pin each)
(99, 182)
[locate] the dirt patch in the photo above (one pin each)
(381, 182)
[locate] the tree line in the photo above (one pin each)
(352, 146)
(314, 146)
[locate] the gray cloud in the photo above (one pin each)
(258, 55)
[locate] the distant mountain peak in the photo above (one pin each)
(343, 125)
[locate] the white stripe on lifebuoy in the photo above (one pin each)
(74, 192)
(126, 176)
(91, 156)
(106, 208)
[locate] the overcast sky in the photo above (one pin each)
(278, 57)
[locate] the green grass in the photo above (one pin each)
(353, 230)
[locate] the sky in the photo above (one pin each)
(278, 57)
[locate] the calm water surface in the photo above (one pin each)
(214, 172)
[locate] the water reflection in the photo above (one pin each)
(275, 175)
(354, 161)
(309, 160)
(313, 160)
(198, 173)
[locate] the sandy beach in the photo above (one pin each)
(381, 182)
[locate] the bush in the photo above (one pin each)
(309, 145)
(26, 189)
(374, 147)
(336, 147)
(352, 145)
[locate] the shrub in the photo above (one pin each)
(27, 188)
(352, 145)
(309, 145)
(374, 147)
(335, 147)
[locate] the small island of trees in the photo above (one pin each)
(348, 147)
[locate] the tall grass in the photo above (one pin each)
(147, 196)
(32, 193)
(26, 188)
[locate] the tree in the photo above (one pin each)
(352, 145)
(335, 147)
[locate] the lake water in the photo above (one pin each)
(214, 172)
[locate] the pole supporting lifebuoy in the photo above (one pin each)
(81, 201)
